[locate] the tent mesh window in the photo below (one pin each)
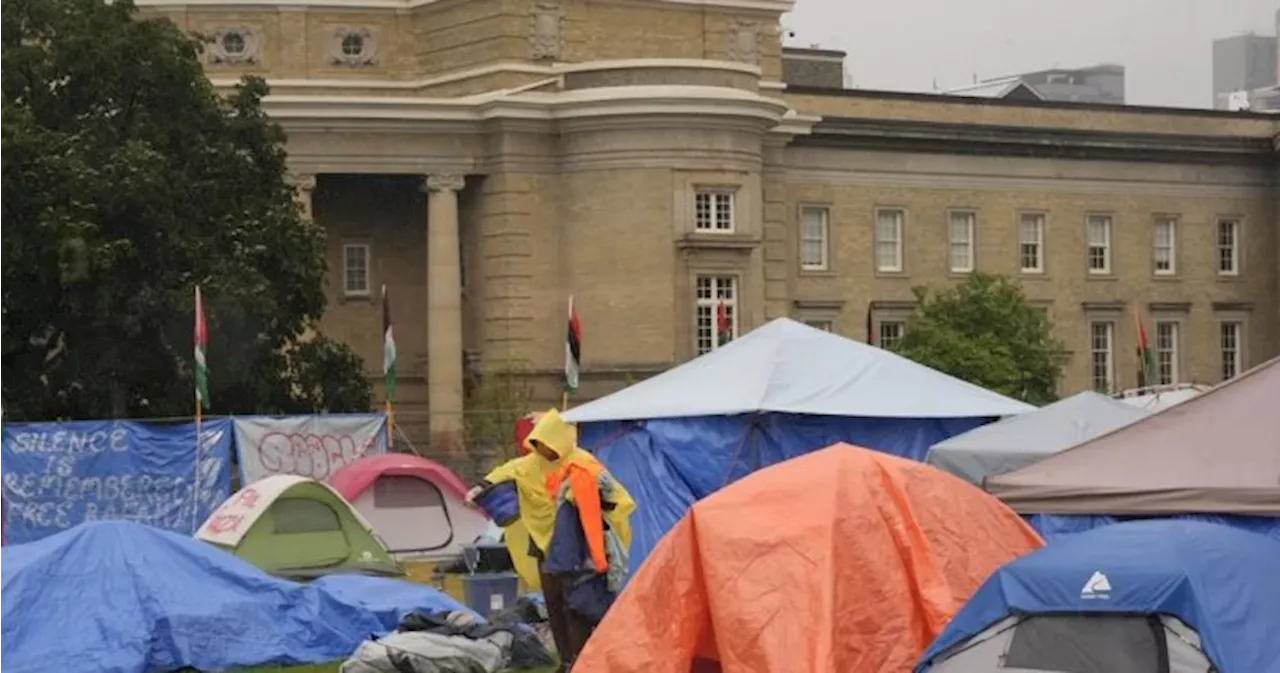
(1089, 644)
(299, 515)
(396, 492)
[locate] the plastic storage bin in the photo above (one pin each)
(489, 593)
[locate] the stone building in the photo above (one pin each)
(485, 159)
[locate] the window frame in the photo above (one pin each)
(1171, 221)
(824, 213)
(1041, 219)
(900, 227)
(1175, 352)
(824, 324)
(712, 303)
(1107, 246)
(1237, 362)
(971, 225)
(1109, 375)
(367, 250)
(1237, 226)
(899, 325)
(714, 194)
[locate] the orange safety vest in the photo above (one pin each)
(584, 483)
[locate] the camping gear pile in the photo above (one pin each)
(455, 642)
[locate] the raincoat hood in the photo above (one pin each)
(554, 433)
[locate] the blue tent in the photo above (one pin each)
(782, 390)
(1145, 596)
(122, 597)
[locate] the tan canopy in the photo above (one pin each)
(1216, 453)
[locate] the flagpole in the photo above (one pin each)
(195, 470)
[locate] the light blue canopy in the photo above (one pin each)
(1018, 441)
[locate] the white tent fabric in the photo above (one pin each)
(1159, 400)
(1024, 439)
(787, 367)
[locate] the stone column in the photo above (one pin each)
(444, 314)
(304, 185)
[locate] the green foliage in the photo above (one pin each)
(501, 396)
(986, 332)
(127, 181)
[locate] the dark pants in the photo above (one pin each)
(569, 629)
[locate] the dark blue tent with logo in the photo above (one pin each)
(1162, 596)
(780, 391)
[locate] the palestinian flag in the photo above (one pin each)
(1146, 358)
(724, 325)
(572, 351)
(388, 349)
(201, 346)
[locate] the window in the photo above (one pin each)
(355, 270)
(1091, 642)
(824, 325)
(717, 312)
(402, 492)
(300, 515)
(814, 229)
(1228, 247)
(1166, 236)
(889, 240)
(960, 236)
(352, 44)
(234, 43)
(713, 211)
(890, 333)
(1167, 352)
(1099, 233)
(1231, 344)
(1101, 355)
(1031, 242)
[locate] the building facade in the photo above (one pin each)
(486, 159)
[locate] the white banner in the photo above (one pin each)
(306, 446)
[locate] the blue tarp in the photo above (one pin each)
(668, 464)
(57, 475)
(1052, 526)
(120, 597)
(388, 600)
(1221, 581)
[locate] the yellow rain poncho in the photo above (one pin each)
(537, 505)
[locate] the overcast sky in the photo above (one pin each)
(1165, 45)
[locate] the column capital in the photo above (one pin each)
(303, 182)
(444, 182)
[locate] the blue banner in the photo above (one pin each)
(57, 475)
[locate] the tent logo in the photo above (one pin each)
(1097, 587)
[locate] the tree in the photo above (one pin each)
(127, 181)
(986, 332)
(500, 397)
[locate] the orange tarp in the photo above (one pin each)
(842, 560)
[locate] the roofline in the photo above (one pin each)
(1049, 104)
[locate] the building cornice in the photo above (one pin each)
(400, 113)
(1024, 141)
(773, 6)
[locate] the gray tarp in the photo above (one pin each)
(1217, 453)
(1019, 441)
(787, 367)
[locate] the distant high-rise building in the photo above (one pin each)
(1097, 84)
(1243, 63)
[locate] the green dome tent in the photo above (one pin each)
(297, 528)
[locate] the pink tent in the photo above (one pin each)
(415, 505)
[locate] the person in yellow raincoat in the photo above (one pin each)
(553, 449)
